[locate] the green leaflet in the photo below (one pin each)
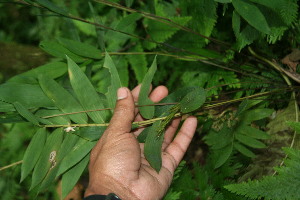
(249, 141)
(30, 96)
(223, 1)
(143, 135)
(28, 115)
(138, 63)
(244, 150)
(49, 5)
(152, 148)
(147, 111)
(294, 125)
(33, 152)
(6, 107)
(115, 81)
(79, 151)
(47, 159)
(62, 99)
(174, 97)
(256, 114)
(81, 49)
(57, 50)
(91, 133)
(70, 178)
(222, 155)
(236, 23)
(53, 70)
(69, 142)
(85, 92)
(252, 15)
(193, 100)
(160, 32)
(253, 132)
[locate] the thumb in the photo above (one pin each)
(124, 112)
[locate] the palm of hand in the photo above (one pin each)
(117, 162)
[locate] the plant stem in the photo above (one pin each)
(11, 165)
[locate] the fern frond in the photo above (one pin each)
(283, 186)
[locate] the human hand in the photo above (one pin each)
(117, 162)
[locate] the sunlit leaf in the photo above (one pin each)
(33, 152)
(193, 100)
(85, 92)
(147, 111)
(62, 99)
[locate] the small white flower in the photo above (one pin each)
(70, 128)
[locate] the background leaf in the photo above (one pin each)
(193, 100)
(252, 15)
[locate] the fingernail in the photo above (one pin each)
(122, 93)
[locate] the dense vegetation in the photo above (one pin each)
(231, 63)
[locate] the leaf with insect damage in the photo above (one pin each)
(86, 93)
(193, 100)
(48, 158)
(68, 143)
(147, 111)
(33, 152)
(78, 152)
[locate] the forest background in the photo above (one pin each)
(244, 53)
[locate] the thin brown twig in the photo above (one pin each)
(11, 165)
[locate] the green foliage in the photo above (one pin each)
(96, 49)
(236, 133)
(274, 187)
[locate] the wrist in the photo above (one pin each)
(107, 185)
